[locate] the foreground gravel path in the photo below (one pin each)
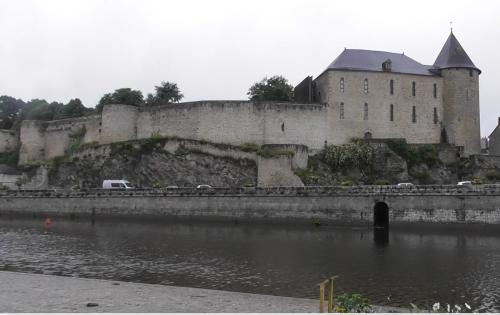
(21, 292)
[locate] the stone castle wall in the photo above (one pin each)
(379, 100)
(461, 109)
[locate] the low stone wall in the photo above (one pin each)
(352, 205)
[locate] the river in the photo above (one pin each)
(420, 264)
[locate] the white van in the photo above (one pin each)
(116, 184)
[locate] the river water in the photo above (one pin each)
(421, 265)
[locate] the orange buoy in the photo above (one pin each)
(48, 223)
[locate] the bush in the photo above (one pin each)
(423, 154)
(348, 181)
(9, 158)
(352, 303)
(423, 178)
(249, 147)
(357, 154)
(307, 176)
(381, 182)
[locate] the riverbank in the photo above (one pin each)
(21, 292)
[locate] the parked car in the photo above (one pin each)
(116, 184)
(203, 186)
(465, 183)
(405, 185)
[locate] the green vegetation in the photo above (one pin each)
(3, 187)
(167, 92)
(415, 155)
(348, 181)
(125, 96)
(75, 140)
(352, 303)
(249, 147)
(307, 176)
(381, 181)
(273, 153)
(275, 88)
(357, 154)
(423, 177)
(9, 158)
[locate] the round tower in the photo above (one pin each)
(461, 125)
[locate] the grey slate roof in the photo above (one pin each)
(452, 55)
(371, 60)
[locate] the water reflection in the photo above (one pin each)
(418, 265)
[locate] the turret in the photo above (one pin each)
(461, 123)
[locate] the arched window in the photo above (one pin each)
(413, 88)
(391, 115)
(414, 114)
(365, 112)
(341, 85)
(365, 86)
(341, 110)
(391, 87)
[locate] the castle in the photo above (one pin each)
(362, 94)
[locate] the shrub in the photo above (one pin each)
(352, 303)
(9, 158)
(381, 182)
(423, 178)
(307, 176)
(249, 147)
(357, 154)
(348, 181)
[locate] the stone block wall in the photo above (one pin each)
(352, 123)
(119, 123)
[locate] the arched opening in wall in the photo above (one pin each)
(381, 215)
(368, 135)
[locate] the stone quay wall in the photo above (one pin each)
(343, 205)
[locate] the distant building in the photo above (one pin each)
(494, 143)
(381, 94)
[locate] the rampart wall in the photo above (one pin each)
(346, 205)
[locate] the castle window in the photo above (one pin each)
(391, 87)
(391, 116)
(435, 116)
(413, 88)
(414, 114)
(471, 73)
(365, 86)
(435, 90)
(283, 127)
(365, 112)
(341, 110)
(341, 85)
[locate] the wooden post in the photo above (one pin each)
(322, 295)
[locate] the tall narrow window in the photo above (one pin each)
(341, 85)
(413, 88)
(435, 90)
(365, 112)
(414, 114)
(471, 73)
(341, 110)
(435, 116)
(365, 87)
(391, 87)
(391, 115)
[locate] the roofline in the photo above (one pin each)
(475, 68)
(493, 131)
(359, 70)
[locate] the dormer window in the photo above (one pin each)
(365, 86)
(387, 65)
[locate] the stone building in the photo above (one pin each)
(494, 143)
(362, 93)
(380, 94)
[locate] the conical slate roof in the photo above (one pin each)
(452, 55)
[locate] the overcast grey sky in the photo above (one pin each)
(63, 49)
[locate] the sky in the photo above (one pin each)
(216, 49)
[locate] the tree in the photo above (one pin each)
(9, 111)
(275, 88)
(167, 92)
(125, 96)
(74, 108)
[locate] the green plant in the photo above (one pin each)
(9, 158)
(423, 177)
(22, 180)
(157, 184)
(316, 221)
(352, 303)
(273, 153)
(307, 176)
(348, 181)
(248, 183)
(476, 181)
(249, 147)
(357, 154)
(3, 187)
